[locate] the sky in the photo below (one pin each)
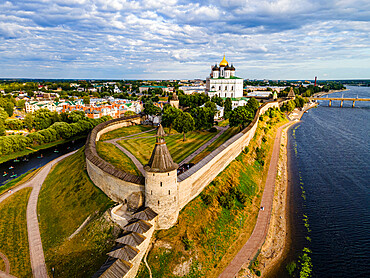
(181, 39)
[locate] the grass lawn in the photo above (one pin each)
(229, 207)
(66, 199)
(125, 131)
(230, 132)
(13, 231)
(116, 157)
(223, 123)
(19, 180)
(142, 148)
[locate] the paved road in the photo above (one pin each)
(35, 245)
(248, 251)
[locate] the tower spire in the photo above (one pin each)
(161, 160)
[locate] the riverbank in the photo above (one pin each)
(33, 149)
(278, 239)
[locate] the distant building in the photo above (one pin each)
(164, 88)
(223, 82)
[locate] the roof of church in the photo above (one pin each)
(161, 160)
(215, 67)
(223, 63)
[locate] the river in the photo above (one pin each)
(36, 160)
(329, 153)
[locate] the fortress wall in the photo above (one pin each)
(116, 189)
(143, 247)
(115, 183)
(192, 182)
(117, 125)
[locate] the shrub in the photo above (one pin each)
(213, 129)
(258, 272)
(291, 267)
(246, 150)
(226, 201)
(206, 198)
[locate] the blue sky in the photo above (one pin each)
(178, 39)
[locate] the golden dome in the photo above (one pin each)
(223, 63)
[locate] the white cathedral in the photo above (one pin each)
(223, 82)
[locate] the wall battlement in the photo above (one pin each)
(165, 192)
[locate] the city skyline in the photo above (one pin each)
(180, 39)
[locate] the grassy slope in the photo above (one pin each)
(217, 234)
(142, 148)
(116, 157)
(66, 199)
(230, 132)
(125, 131)
(13, 231)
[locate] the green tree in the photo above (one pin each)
(8, 105)
(169, 115)
(241, 116)
(252, 104)
(76, 116)
(21, 104)
(28, 121)
(3, 117)
(151, 109)
(227, 108)
(86, 100)
(184, 123)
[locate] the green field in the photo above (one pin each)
(13, 231)
(230, 132)
(116, 157)
(66, 199)
(125, 131)
(142, 148)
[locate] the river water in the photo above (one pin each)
(329, 153)
(36, 160)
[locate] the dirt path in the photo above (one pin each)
(248, 251)
(203, 147)
(35, 245)
(6, 262)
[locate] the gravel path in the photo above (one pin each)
(35, 245)
(203, 147)
(259, 233)
(6, 262)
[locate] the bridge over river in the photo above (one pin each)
(341, 99)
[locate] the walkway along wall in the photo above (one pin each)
(193, 181)
(117, 184)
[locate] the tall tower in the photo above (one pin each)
(161, 187)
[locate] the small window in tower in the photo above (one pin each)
(174, 198)
(151, 192)
(169, 192)
(158, 202)
(161, 184)
(219, 87)
(232, 88)
(168, 174)
(153, 175)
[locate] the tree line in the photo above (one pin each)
(50, 128)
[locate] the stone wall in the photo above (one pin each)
(115, 183)
(193, 181)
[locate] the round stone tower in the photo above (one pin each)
(161, 187)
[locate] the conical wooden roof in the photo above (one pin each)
(131, 238)
(113, 269)
(138, 226)
(145, 214)
(126, 252)
(161, 160)
(291, 93)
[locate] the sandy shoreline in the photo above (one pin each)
(276, 245)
